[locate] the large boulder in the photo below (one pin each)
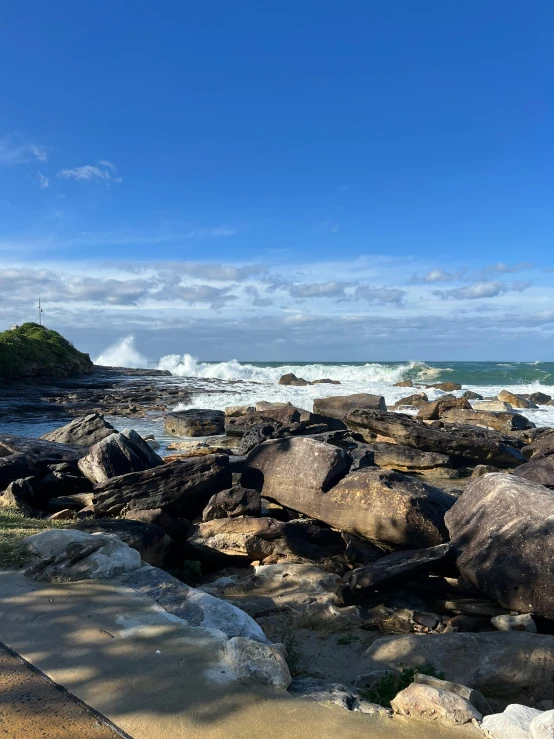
(19, 496)
(513, 723)
(464, 444)
(429, 703)
(286, 416)
(13, 467)
(118, 454)
(539, 470)
(291, 379)
(237, 501)
(436, 409)
(498, 664)
(257, 538)
(417, 400)
(195, 422)
(400, 457)
(338, 406)
(295, 471)
(41, 453)
(541, 447)
(447, 387)
(502, 530)
(181, 488)
(86, 431)
(503, 422)
(539, 398)
(516, 401)
(253, 662)
(77, 555)
(146, 538)
(257, 435)
(385, 507)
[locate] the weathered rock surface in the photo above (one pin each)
(67, 555)
(86, 431)
(521, 622)
(513, 723)
(146, 538)
(418, 400)
(503, 422)
(291, 379)
(539, 471)
(447, 387)
(335, 694)
(257, 435)
(499, 665)
(339, 405)
(400, 457)
(118, 454)
(539, 448)
(542, 727)
(13, 467)
(501, 529)
(516, 401)
(181, 488)
(470, 395)
(257, 538)
(495, 406)
(39, 452)
(238, 426)
(392, 565)
(434, 704)
(19, 495)
(237, 501)
(292, 470)
(436, 409)
(464, 444)
(404, 383)
(254, 662)
(539, 398)
(195, 422)
(476, 698)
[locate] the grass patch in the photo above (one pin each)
(14, 527)
(390, 685)
(347, 639)
(32, 350)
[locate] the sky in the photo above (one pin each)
(312, 180)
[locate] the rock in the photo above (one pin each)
(464, 444)
(484, 469)
(13, 467)
(368, 577)
(39, 452)
(499, 528)
(495, 406)
(66, 514)
(336, 694)
(258, 538)
(292, 470)
(436, 409)
(499, 665)
(253, 662)
(418, 400)
(86, 512)
(404, 383)
(325, 381)
(539, 398)
(360, 552)
(506, 622)
(384, 507)
(400, 457)
(447, 387)
(85, 431)
(291, 379)
(146, 538)
(195, 422)
(476, 698)
(434, 704)
(539, 471)
(503, 422)
(118, 454)
(540, 448)
(339, 405)
(73, 502)
(266, 405)
(362, 456)
(516, 401)
(182, 488)
(514, 723)
(287, 416)
(542, 726)
(67, 555)
(61, 480)
(19, 495)
(192, 605)
(234, 411)
(237, 501)
(176, 528)
(470, 395)
(257, 435)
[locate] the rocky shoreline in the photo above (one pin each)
(403, 561)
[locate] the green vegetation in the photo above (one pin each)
(390, 685)
(14, 527)
(32, 350)
(347, 639)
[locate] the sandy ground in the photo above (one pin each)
(32, 707)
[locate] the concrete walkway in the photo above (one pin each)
(151, 674)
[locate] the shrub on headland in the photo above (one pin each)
(31, 350)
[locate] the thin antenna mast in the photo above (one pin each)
(39, 313)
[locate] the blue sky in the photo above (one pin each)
(263, 180)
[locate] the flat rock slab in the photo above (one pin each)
(122, 655)
(41, 452)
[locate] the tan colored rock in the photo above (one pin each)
(434, 704)
(437, 409)
(516, 401)
(502, 422)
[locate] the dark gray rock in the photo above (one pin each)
(540, 471)
(238, 426)
(258, 434)
(338, 406)
(181, 488)
(237, 501)
(118, 454)
(195, 422)
(291, 379)
(470, 395)
(13, 467)
(539, 398)
(19, 495)
(398, 456)
(540, 448)
(502, 528)
(146, 538)
(84, 431)
(39, 452)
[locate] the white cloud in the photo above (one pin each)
(43, 181)
(382, 295)
(480, 290)
(14, 150)
(105, 171)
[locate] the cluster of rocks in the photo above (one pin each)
(291, 379)
(433, 529)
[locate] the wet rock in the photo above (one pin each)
(195, 422)
(13, 467)
(67, 555)
(182, 488)
(146, 538)
(516, 401)
(339, 405)
(253, 662)
(405, 458)
(503, 422)
(429, 703)
(291, 379)
(447, 387)
(237, 501)
(500, 665)
(514, 723)
(500, 528)
(404, 383)
(466, 445)
(418, 400)
(325, 381)
(470, 395)
(85, 431)
(436, 409)
(118, 454)
(539, 398)
(507, 622)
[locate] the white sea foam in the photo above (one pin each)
(122, 354)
